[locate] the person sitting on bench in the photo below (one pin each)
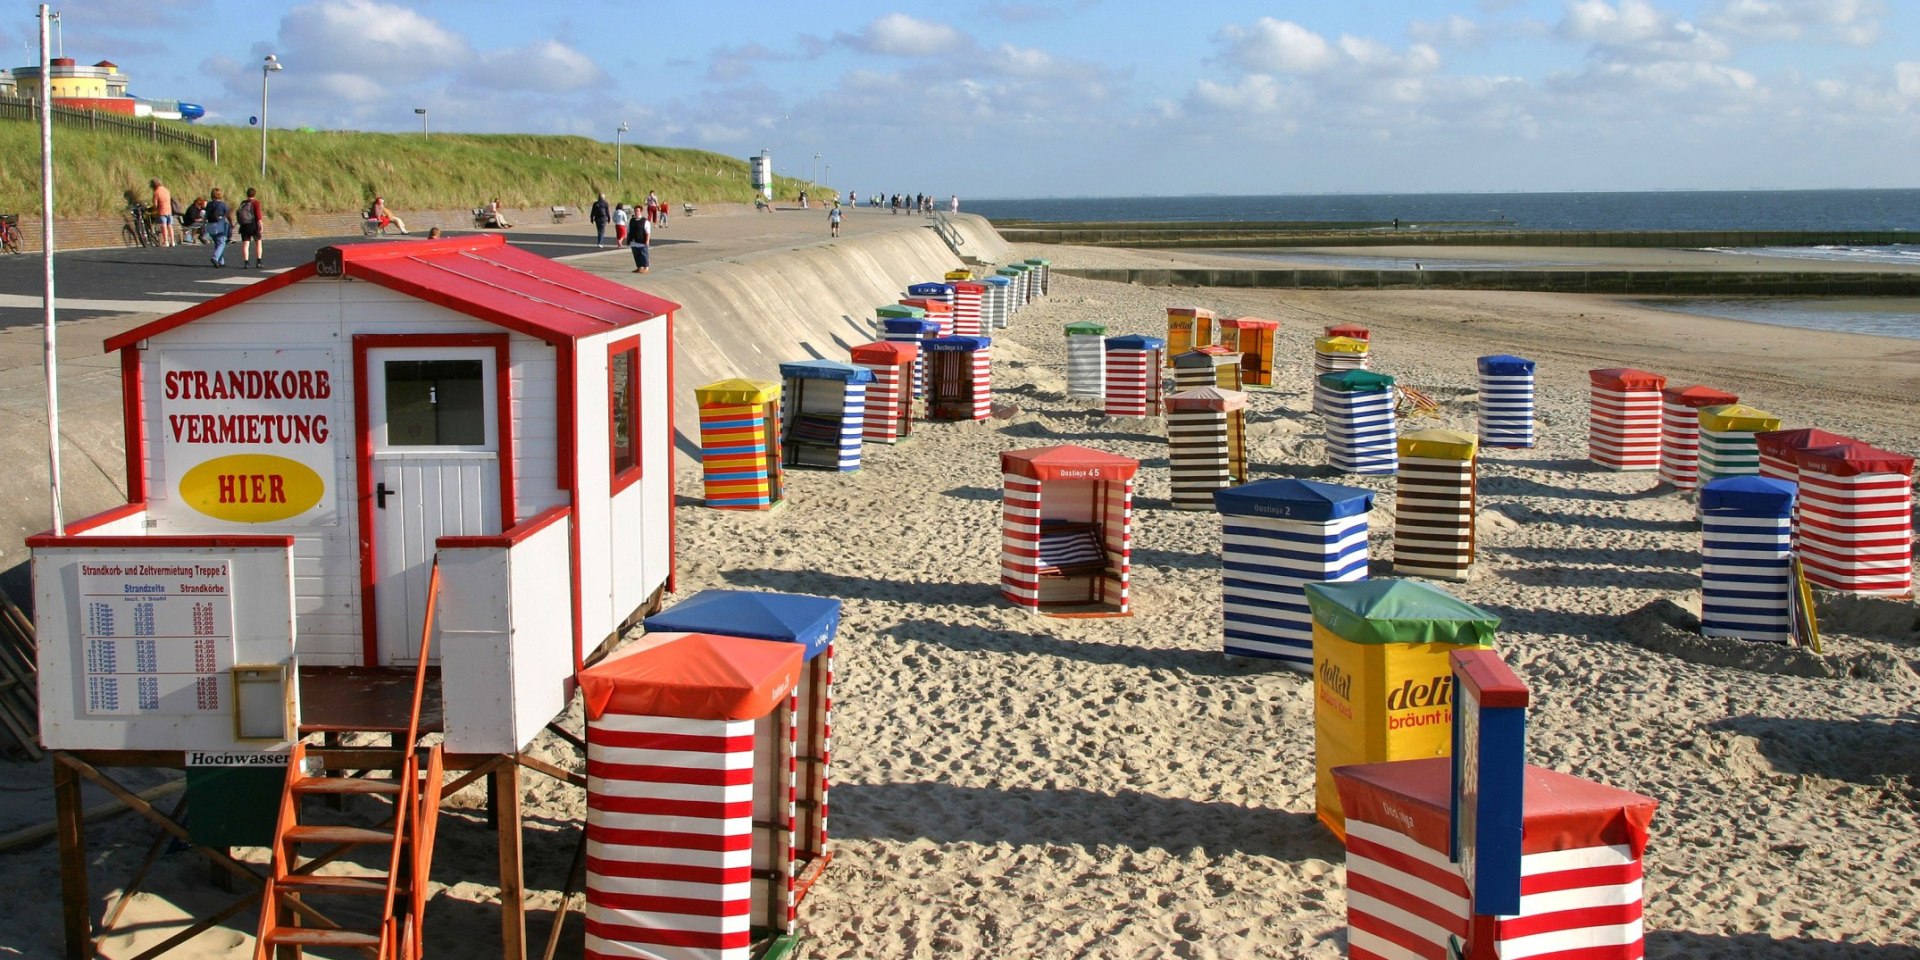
(379, 216)
(494, 219)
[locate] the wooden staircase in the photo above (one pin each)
(388, 904)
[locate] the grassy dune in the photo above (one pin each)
(334, 171)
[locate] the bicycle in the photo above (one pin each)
(10, 232)
(138, 230)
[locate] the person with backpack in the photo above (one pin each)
(219, 226)
(833, 221)
(248, 215)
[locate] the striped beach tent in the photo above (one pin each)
(1854, 528)
(1016, 288)
(1746, 529)
(915, 329)
(1206, 444)
(1086, 359)
(1728, 445)
(1433, 524)
(1188, 328)
(889, 417)
(1506, 401)
(942, 292)
(1214, 366)
(969, 317)
(935, 309)
(1333, 354)
(739, 444)
(812, 623)
(1623, 427)
(690, 797)
(1277, 536)
(1133, 376)
(1680, 431)
(996, 305)
(1580, 869)
(823, 411)
(1042, 269)
(1360, 421)
(959, 378)
(1067, 530)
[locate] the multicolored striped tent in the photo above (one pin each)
(739, 444)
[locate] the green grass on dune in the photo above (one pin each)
(335, 171)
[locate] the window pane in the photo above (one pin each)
(435, 403)
(623, 392)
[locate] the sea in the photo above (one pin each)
(1825, 211)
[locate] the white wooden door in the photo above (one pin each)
(436, 472)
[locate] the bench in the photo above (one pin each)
(689, 209)
(560, 214)
(481, 218)
(814, 430)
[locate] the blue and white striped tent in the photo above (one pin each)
(912, 330)
(1361, 433)
(823, 409)
(1746, 525)
(1506, 401)
(997, 304)
(1277, 536)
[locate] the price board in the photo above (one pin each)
(156, 636)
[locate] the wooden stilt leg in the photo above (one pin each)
(75, 903)
(513, 906)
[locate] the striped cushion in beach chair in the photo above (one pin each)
(1070, 549)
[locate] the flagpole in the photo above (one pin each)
(46, 260)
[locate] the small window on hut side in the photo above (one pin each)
(623, 401)
(435, 403)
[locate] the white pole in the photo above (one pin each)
(263, 118)
(51, 356)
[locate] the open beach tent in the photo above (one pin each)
(757, 614)
(1067, 528)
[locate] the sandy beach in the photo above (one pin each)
(1016, 786)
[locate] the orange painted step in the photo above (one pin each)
(327, 834)
(344, 785)
(320, 937)
(311, 883)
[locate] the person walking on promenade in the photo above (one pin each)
(219, 226)
(600, 216)
(249, 215)
(377, 213)
(653, 207)
(662, 221)
(162, 210)
(620, 218)
(953, 204)
(640, 241)
(833, 221)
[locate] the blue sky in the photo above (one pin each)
(1089, 97)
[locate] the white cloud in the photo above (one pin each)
(1277, 46)
(897, 34)
(1631, 22)
(365, 36)
(1855, 22)
(547, 66)
(1454, 31)
(1374, 57)
(1907, 79)
(1253, 93)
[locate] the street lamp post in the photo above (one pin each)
(267, 66)
(816, 170)
(422, 111)
(619, 164)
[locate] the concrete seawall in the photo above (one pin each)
(1688, 282)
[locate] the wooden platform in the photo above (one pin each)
(362, 699)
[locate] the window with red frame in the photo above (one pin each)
(623, 402)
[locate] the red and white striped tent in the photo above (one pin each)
(1067, 529)
(889, 414)
(1133, 376)
(969, 319)
(1680, 431)
(1623, 430)
(690, 796)
(1853, 527)
(937, 310)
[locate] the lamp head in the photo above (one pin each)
(623, 126)
(270, 63)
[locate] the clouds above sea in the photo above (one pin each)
(1092, 96)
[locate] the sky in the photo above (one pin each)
(1024, 98)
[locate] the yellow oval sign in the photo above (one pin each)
(252, 488)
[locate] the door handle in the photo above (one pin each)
(380, 494)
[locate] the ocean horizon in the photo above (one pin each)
(1877, 210)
